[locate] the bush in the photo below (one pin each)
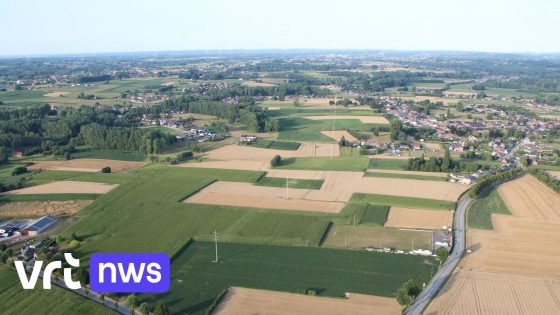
(106, 169)
(74, 244)
(19, 170)
(183, 156)
(276, 160)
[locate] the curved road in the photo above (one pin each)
(435, 284)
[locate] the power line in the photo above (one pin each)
(216, 243)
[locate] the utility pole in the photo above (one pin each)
(334, 122)
(287, 189)
(216, 243)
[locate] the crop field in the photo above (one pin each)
(496, 293)
(196, 281)
(479, 215)
(38, 209)
(278, 145)
(15, 300)
(63, 187)
(250, 153)
(361, 236)
(338, 134)
(342, 163)
(301, 129)
(413, 218)
(85, 165)
(404, 176)
(398, 201)
(380, 120)
(292, 182)
(152, 197)
(388, 164)
(253, 301)
(108, 155)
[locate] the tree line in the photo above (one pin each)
(491, 179)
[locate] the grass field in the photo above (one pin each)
(292, 183)
(361, 236)
(355, 213)
(196, 281)
(479, 214)
(150, 197)
(301, 129)
(278, 145)
(47, 197)
(405, 176)
(388, 164)
(85, 152)
(15, 300)
(399, 201)
(341, 163)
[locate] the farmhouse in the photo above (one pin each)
(39, 226)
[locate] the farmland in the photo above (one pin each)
(404, 176)
(342, 163)
(16, 300)
(196, 281)
(360, 236)
(410, 202)
(388, 164)
(480, 213)
(293, 183)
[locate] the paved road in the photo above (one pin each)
(447, 268)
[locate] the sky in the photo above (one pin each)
(38, 27)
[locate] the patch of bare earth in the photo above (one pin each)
(85, 165)
(512, 269)
(64, 187)
(56, 94)
(419, 218)
(242, 301)
(338, 134)
(41, 208)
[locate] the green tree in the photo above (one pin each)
(407, 292)
(276, 160)
(442, 254)
(83, 276)
(161, 309)
(144, 308)
(132, 300)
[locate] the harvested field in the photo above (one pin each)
(418, 218)
(438, 174)
(337, 135)
(512, 269)
(248, 195)
(56, 94)
(41, 208)
(252, 301)
(63, 187)
(528, 197)
(241, 152)
(257, 84)
(476, 292)
(85, 165)
(363, 119)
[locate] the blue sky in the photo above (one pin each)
(51, 27)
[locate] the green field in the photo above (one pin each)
(406, 176)
(361, 236)
(88, 153)
(399, 201)
(301, 129)
(47, 197)
(291, 183)
(196, 281)
(388, 164)
(339, 163)
(150, 197)
(355, 213)
(15, 300)
(277, 145)
(479, 213)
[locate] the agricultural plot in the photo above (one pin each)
(363, 213)
(380, 120)
(196, 281)
(419, 218)
(15, 300)
(151, 196)
(361, 236)
(108, 155)
(337, 135)
(277, 145)
(63, 187)
(479, 215)
(476, 292)
(403, 201)
(290, 182)
(383, 163)
(342, 163)
(375, 173)
(252, 301)
(85, 165)
(38, 209)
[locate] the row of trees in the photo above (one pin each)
(546, 178)
(432, 164)
(491, 179)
